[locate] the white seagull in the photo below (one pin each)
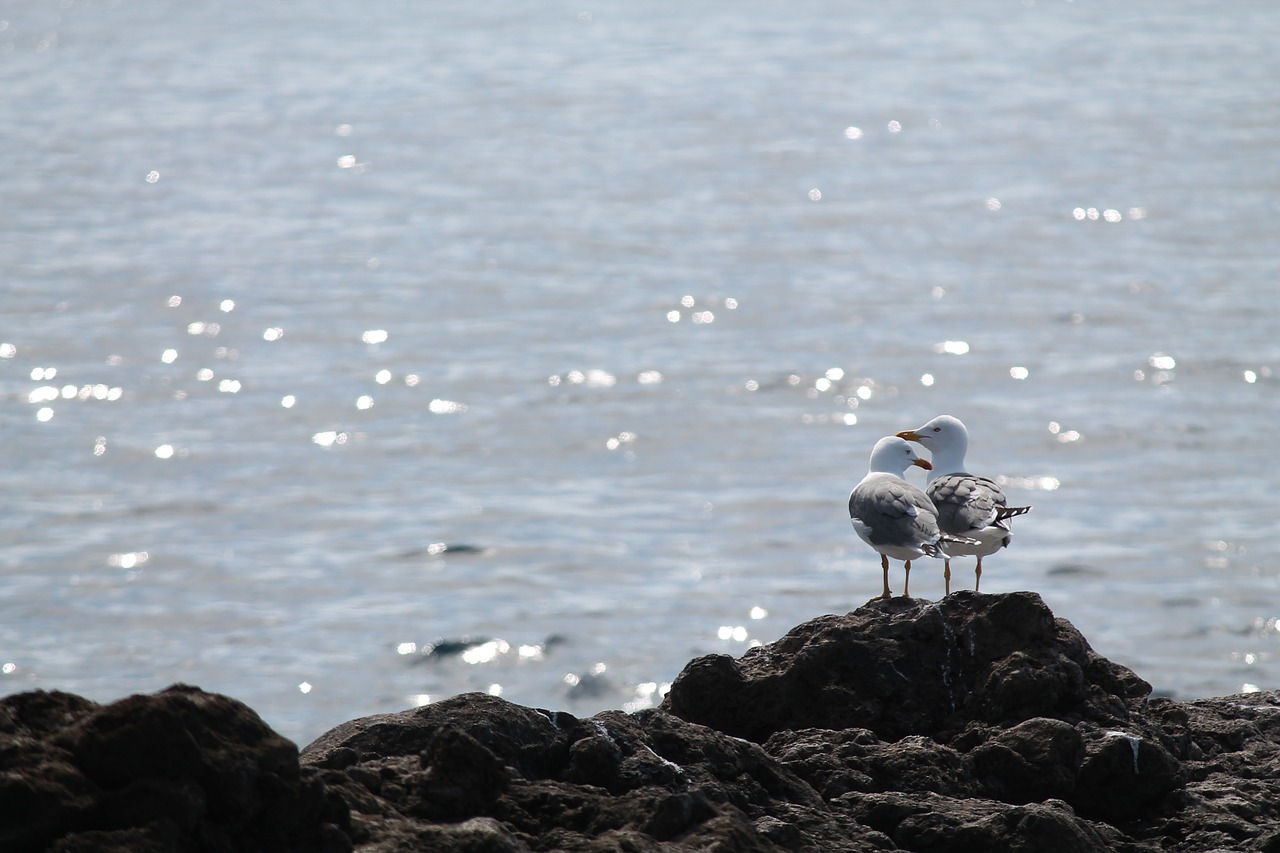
(968, 506)
(893, 516)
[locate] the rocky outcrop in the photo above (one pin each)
(177, 770)
(975, 723)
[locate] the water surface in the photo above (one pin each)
(295, 296)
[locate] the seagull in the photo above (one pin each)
(968, 506)
(893, 516)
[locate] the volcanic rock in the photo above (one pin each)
(980, 722)
(177, 770)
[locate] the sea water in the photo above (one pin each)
(353, 357)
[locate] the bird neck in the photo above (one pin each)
(950, 461)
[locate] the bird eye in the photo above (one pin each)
(937, 429)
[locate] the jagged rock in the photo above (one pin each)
(906, 666)
(975, 723)
(1031, 762)
(177, 770)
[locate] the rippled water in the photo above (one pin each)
(560, 333)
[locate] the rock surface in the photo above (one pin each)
(176, 770)
(980, 722)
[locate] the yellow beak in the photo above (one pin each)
(922, 463)
(909, 435)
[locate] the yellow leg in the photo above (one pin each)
(946, 574)
(906, 581)
(977, 576)
(884, 564)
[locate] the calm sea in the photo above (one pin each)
(352, 357)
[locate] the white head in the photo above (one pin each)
(947, 441)
(893, 455)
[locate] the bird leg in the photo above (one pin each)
(977, 576)
(884, 564)
(906, 580)
(946, 574)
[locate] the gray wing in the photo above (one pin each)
(967, 503)
(895, 513)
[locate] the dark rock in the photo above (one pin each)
(536, 742)
(1122, 775)
(905, 666)
(975, 723)
(1031, 762)
(461, 777)
(177, 770)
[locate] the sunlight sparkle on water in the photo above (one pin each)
(227, 306)
(951, 347)
(374, 336)
(8, 350)
(620, 439)
(288, 401)
(328, 438)
(1064, 435)
(1037, 484)
(129, 559)
(274, 333)
(1019, 372)
(164, 451)
(926, 380)
(169, 356)
(364, 402)
(446, 407)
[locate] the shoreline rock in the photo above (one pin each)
(980, 722)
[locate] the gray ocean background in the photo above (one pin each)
(353, 357)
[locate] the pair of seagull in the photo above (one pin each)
(959, 514)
